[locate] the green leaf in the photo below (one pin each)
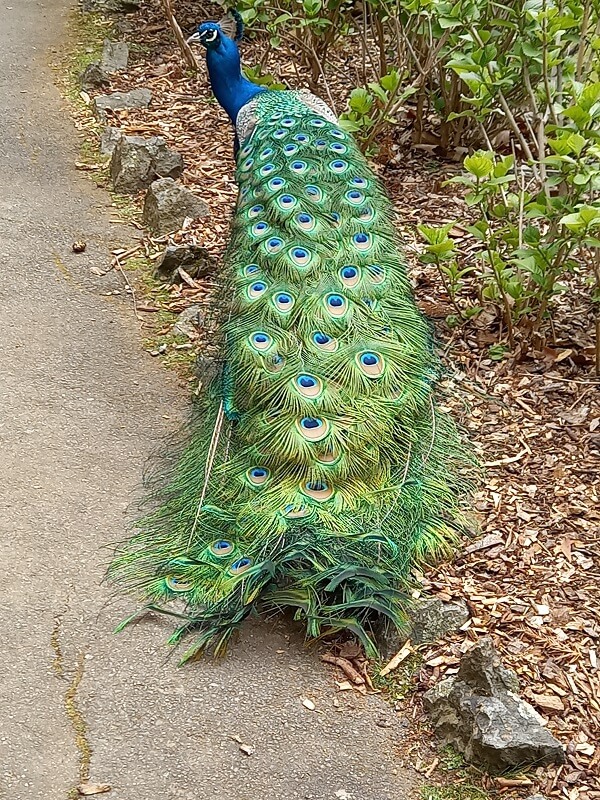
(480, 165)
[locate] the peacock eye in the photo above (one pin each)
(336, 305)
(257, 476)
(360, 182)
(300, 256)
(267, 169)
(338, 148)
(338, 134)
(286, 201)
(276, 184)
(268, 151)
(260, 228)
(301, 137)
(255, 211)
(325, 342)
(241, 565)
(317, 490)
(308, 386)
(371, 364)
(314, 193)
(261, 341)
(355, 197)
(279, 134)
(367, 214)
(247, 164)
(350, 276)
(251, 269)
(320, 144)
(256, 289)
(221, 548)
(317, 123)
(299, 166)
(362, 241)
(283, 301)
(338, 166)
(288, 122)
(290, 149)
(177, 584)
(274, 244)
(313, 429)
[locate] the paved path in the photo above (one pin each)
(81, 408)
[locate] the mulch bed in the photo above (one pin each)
(532, 579)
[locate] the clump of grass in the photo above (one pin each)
(398, 684)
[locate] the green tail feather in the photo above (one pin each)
(318, 471)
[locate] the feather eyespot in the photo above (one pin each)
(275, 184)
(279, 134)
(288, 122)
(328, 456)
(350, 276)
(315, 194)
(371, 364)
(274, 364)
(177, 584)
(276, 115)
(261, 341)
(320, 144)
(256, 289)
(362, 182)
(367, 214)
(354, 197)
(338, 148)
(267, 169)
(260, 228)
(247, 164)
(241, 565)
(308, 386)
(336, 305)
(258, 476)
(290, 149)
(338, 134)
(325, 342)
(338, 166)
(305, 221)
(274, 244)
(295, 512)
(317, 490)
(245, 151)
(268, 151)
(299, 167)
(286, 202)
(283, 302)
(362, 241)
(300, 256)
(251, 269)
(317, 123)
(221, 548)
(312, 428)
(301, 137)
(255, 211)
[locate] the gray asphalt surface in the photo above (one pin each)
(82, 406)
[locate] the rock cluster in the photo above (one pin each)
(136, 162)
(117, 101)
(195, 260)
(479, 713)
(167, 205)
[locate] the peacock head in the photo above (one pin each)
(209, 34)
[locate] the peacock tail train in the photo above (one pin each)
(318, 470)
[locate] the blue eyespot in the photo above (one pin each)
(221, 548)
(241, 565)
(274, 244)
(321, 338)
(280, 133)
(298, 166)
(338, 148)
(362, 241)
(320, 144)
(258, 472)
(317, 486)
(260, 338)
(284, 299)
(317, 123)
(268, 151)
(301, 137)
(306, 381)
(288, 122)
(259, 286)
(314, 193)
(349, 272)
(360, 182)
(276, 183)
(304, 218)
(369, 359)
(335, 301)
(290, 148)
(267, 169)
(251, 269)
(260, 227)
(309, 423)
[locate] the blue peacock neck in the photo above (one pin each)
(230, 87)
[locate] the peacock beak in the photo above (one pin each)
(194, 38)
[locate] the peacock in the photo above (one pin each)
(317, 469)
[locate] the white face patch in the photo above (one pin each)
(210, 36)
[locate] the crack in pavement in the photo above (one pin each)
(71, 705)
